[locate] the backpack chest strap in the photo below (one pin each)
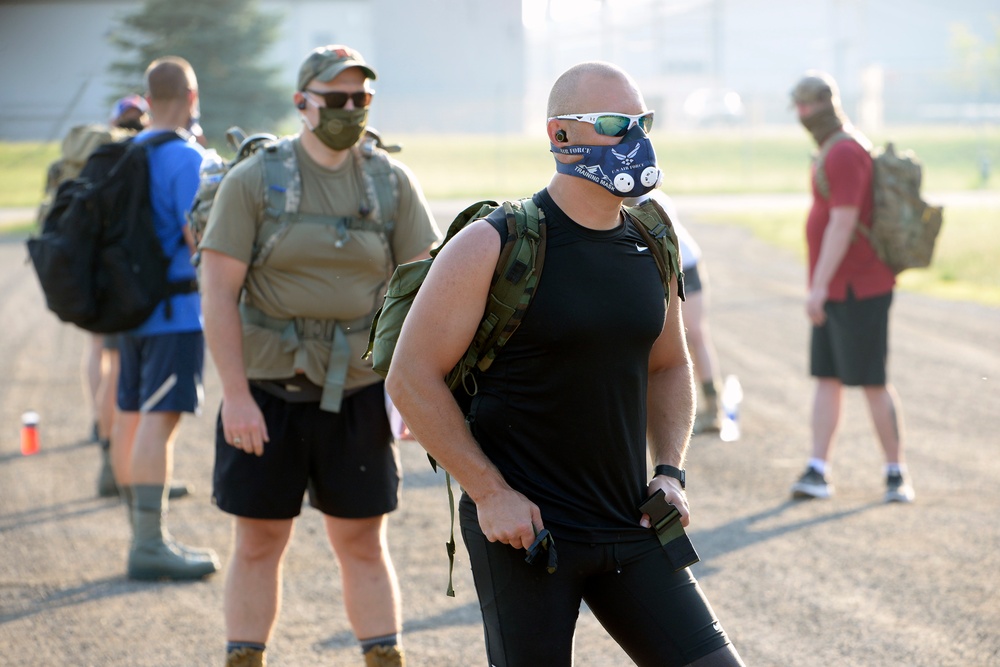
(295, 331)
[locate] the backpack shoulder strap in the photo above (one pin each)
(380, 194)
(514, 280)
(822, 182)
(654, 225)
(282, 193)
(282, 182)
(380, 183)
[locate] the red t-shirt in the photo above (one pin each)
(848, 170)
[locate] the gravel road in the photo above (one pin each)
(845, 582)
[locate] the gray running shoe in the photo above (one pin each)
(898, 489)
(151, 560)
(812, 484)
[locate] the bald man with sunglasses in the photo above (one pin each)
(288, 298)
(552, 447)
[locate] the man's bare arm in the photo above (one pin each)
(222, 281)
(438, 329)
(836, 240)
(670, 404)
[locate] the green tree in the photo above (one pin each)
(225, 41)
(978, 59)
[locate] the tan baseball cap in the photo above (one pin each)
(815, 86)
(326, 62)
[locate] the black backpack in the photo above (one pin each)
(98, 258)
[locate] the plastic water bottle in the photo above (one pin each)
(29, 433)
(732, 396)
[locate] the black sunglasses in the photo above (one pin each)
(337, 99)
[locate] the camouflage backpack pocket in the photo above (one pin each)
(388, 322)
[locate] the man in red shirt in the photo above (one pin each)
(850, 291)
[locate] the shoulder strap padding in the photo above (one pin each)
(822, 182)
(283, 197)
(654, 225)
(515, 278)
(380, 185)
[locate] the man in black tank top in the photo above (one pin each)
(559, 425)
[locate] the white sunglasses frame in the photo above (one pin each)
(593, 117)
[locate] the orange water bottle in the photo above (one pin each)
(29, 433)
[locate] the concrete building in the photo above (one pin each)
(464, 66)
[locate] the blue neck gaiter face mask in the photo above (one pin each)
(627, 169)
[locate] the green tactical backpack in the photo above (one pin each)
(281, 197)
(283, 191)
(517, 272)
(514, 279)
(904, 227)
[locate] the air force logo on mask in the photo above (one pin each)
(624, 171)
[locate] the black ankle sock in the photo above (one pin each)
(384, 640)
(232, 646)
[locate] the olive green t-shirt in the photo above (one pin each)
(313, 271)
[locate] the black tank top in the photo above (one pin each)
(562, 410)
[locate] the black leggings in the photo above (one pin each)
(657, 616)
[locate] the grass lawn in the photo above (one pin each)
(766, 160)
(964, 265)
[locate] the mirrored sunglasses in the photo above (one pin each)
(612, 124)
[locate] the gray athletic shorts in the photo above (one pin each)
(853, 344)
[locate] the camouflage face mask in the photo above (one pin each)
(339, 129)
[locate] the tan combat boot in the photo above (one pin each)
(385, 656)
(246, 657)
(153, 553)
(709, 415)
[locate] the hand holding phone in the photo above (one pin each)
(666, 521)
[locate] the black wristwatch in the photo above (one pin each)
(671, 471)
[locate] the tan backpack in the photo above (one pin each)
(77, 145)
(904, 226)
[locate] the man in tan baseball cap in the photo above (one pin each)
(326, 62)
(287, 316)
(817, 99)
(849, 292)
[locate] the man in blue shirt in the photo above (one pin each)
(161, 360)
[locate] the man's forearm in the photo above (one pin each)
(224, 337)
(431, 414)
(836, 240)
(670, 406)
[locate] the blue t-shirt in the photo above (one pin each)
(173, 183)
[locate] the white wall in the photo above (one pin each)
(467, 65)
(54, 56)
(53, 66)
